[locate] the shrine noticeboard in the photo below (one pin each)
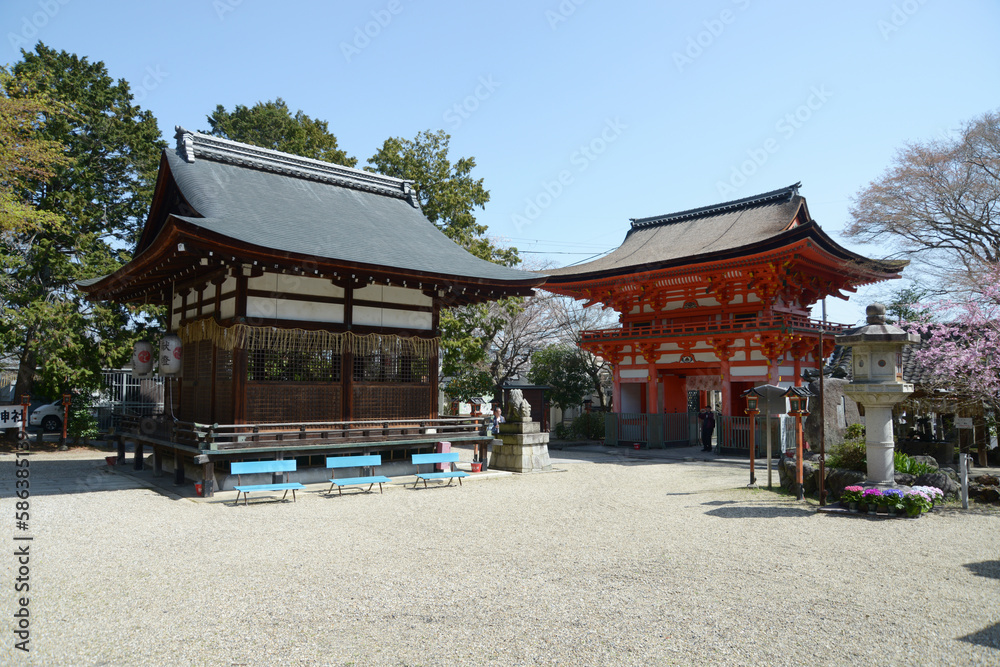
(963, 422)
(10, 416)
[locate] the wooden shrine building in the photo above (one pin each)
(716, 299)
(302, 292)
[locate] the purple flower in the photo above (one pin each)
(872, 492)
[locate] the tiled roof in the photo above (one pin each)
(308, 207)
(780, 196)
(713, 233)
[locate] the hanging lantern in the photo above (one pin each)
(142, 359)
(170, 355)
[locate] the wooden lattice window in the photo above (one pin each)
(391, 366)
(293, 366)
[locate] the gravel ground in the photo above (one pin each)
(612, 561)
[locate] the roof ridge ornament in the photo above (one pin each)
(195, 144)
(773, 196)
(185, 143)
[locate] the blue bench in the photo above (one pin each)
(248, 468)
(447, 457)
(368, 461)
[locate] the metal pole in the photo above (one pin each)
(753, 446)
(767, 427)
(822, 416)
(798, 454)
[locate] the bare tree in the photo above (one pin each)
(937, 204)
(573, 319)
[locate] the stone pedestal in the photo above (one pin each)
(878, 386)
(525, 448)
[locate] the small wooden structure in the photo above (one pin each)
(306, 296)
(713, 299)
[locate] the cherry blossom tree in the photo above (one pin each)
(961, 352)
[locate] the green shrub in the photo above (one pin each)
(851, 454)
(589, 426)
(82, 423)
(562, 432)
(855, 432)
(908, 464)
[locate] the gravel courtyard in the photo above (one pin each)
(614, 560)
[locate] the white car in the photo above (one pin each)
(49, 417)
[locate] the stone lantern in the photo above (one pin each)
(877, 351)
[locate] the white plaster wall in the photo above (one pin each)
(308, 286)
(385, 317)
(284, 309)
(390, 294)
(742, 371)
(633, 373)
(631, 395)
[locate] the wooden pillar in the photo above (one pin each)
(347, 358)
(137, 465)
(773, 371)
(727, 392)
(208, 479)
(178, 468)
(651, 392)
(239, 386)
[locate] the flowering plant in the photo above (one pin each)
(893, 498)
(872, 496)
(934, 493)
(916, 502)
(852, 494)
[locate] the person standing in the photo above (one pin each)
(707, 418)
(494, 428)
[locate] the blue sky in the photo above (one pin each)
(581, 114)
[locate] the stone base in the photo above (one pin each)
(524, 448)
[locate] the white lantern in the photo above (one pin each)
(142, 359)
(170, 355)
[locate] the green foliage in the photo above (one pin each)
(447, 192)
(851, 454)
(82, 422)
(467, 334)
(855, 432)
(562, 368)
(589, 426)
(93, 205)
(272, 125)
(907, 464)
(563, 432)
(905, 304)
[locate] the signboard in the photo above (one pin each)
(10, 416)
(963, 422)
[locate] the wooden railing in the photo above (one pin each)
(779, 321)
(222, 437)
